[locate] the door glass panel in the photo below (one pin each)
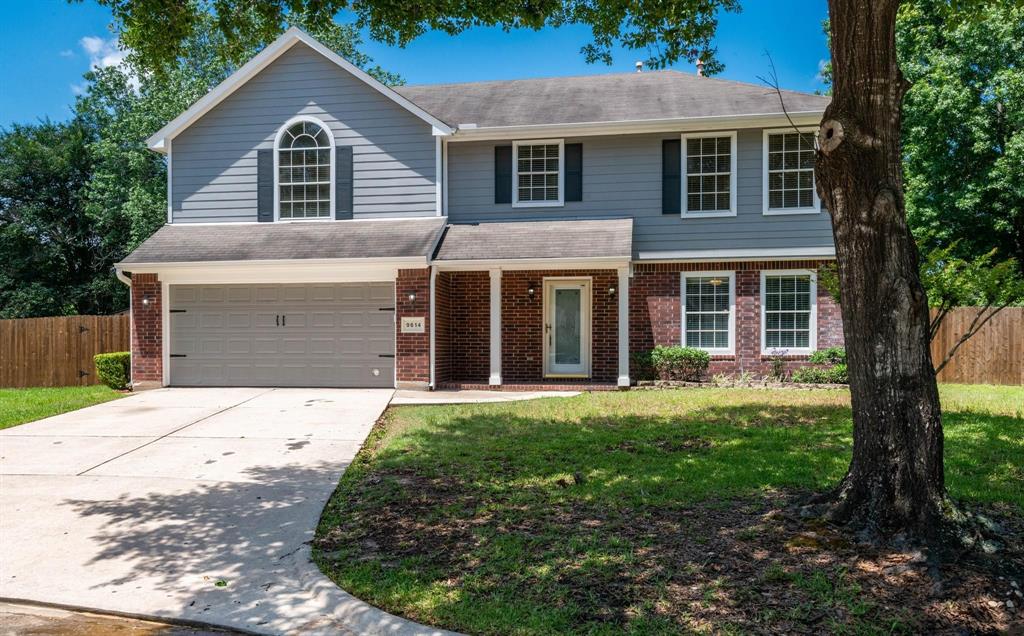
(568, 341)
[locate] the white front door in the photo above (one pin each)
(567, 327)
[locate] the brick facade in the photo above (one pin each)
(655, 311)
(412, 350)
(522, 325)
(147, 330)
(467, 336)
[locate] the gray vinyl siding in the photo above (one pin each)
(214, 160)
(622, 178)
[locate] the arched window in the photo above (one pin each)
(304, 171)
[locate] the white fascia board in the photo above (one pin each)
(263, 59)
(294, 271)
(754, 254)
(513, 264)
(674, 124)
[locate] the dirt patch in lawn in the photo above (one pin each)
(751, 565)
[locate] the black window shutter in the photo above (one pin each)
(264, 186)
(671, 179)
(573, 172)
(343, 182)
(503, 174)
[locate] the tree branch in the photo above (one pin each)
(974, 328)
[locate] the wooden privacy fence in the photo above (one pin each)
(57, 351)
(994, 355)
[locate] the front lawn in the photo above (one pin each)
(656, 512)
(18, 406)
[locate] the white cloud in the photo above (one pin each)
(103, 53)
(67, 53)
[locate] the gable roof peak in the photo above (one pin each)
(292, 36)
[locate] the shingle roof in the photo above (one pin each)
(602, 98)
(538, 239)
(272, 241)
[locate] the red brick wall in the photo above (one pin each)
(147, 332)
(522, 325)
(412, 350)
(469, 335)
(655, 311)
(442, 327)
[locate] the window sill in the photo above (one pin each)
(790, 211)
(708, 214)
(545, 204)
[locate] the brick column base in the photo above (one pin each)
(412, 350)
(147, 331)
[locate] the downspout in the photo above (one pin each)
(127, 280)
(433, 326)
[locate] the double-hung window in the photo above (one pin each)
(709, 311)
(709, 188)
(539, 173)
(305, 170)
(788, 311)
(789, 172)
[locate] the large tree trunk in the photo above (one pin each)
(895, 481)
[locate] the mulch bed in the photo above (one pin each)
(753, 565)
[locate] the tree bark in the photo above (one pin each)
(895, 482)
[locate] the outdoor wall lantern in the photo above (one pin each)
(611, 290)
(146, 300)
(531, 289)
(412, 297)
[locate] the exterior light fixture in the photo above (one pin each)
(146, 300)
(531, 290)
(412, 296)
(611, 290)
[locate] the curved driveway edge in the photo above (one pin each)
(188, 504)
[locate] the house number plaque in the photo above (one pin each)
(414, 324)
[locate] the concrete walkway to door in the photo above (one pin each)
(187, 504)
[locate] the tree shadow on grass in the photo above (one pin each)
(498, 522)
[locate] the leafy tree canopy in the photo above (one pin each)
(668, 30)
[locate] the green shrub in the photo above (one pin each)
(836, 374)
(641, 366)
(114, 369)
(680, 363)
(832, 355)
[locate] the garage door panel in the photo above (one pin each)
(333, 335)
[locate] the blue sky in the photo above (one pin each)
(48, 44)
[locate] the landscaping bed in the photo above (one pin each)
(659, 512)
(18, 406)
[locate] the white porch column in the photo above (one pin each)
(623, 326)
(495, 379)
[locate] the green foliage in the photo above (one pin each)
(680, 363)
(47, 241)
(963, 126)
(952, 281)
(832, 355)
(114, 369)
(642, 366)
(667, 31)
(835, 374)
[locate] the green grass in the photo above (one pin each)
(18, 406)
(595, 514)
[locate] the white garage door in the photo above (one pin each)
(314, 335)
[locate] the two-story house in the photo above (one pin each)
(326, 230)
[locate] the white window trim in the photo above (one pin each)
(696, 214)
(814, 209)
(812, 339)
(731, 276)
(277, 171)
(516, 203)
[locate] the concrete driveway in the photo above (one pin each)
(189, 504)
